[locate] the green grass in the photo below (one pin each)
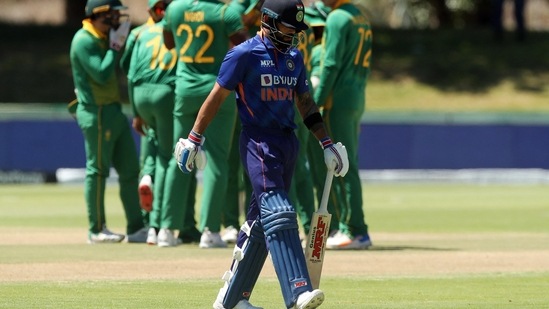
(437, 221)
(493, 291)
(456, 208)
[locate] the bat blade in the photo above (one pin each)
(318, 234)
(316, 246)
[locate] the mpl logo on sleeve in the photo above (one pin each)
(267, 63)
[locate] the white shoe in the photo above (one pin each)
(138, 237)
(211, 240)
(146, 193)
(152, 239)
(230, 234)
(166, 238)
(309, 300)
(105, 236)
(342, 241)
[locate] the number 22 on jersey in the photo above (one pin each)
(191, 35)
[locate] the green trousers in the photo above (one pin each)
(343, 125)
(154, 103)
(219, 137)
(109, 142)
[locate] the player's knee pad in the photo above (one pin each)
(279, 221)
(248, 258)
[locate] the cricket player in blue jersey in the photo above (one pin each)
(267, 73)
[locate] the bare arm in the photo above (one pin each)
(307, 107)
(210, 107)
(239, 37)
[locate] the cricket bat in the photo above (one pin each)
(318, 234)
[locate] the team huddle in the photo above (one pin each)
(261, 96)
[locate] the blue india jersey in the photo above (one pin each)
(265, 82)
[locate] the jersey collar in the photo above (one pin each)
(266, 40)
(88, 26)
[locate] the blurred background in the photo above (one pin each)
(448, 93)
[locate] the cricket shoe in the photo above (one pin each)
(138, 237)
(105, 236)
(211, 240)
(146, 193)
(167, 239)
(152, 237)
(342, 241)
(309, 300)
(230, 235)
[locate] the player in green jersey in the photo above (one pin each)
(150, 67)
(344, 70)
(107, 135)
(201, 32)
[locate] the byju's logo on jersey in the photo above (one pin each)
(266, 80)
(277, 88)
(267, 63)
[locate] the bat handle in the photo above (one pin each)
(326, 193)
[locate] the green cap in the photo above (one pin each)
(98, 6)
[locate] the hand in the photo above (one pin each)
(117, 38)
(189, 154)
(139, 125)
(336, 159)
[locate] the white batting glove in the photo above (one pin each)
(335, 157)
(117, 38)
(189, 154)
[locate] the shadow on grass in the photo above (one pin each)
(406, 248)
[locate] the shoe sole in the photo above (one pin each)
(165, 244)
(145, 198)
(314, 301)
(230, 240)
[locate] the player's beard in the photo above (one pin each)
(283, 42)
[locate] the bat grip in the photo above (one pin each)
(326, 193)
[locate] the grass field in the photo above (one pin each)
(435, 246)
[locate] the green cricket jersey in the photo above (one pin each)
(243, 8)
(146, 59)
(93, 67)
(202, 39)
(107, 134)
(344, 70)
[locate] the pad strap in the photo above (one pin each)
(249, 255)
